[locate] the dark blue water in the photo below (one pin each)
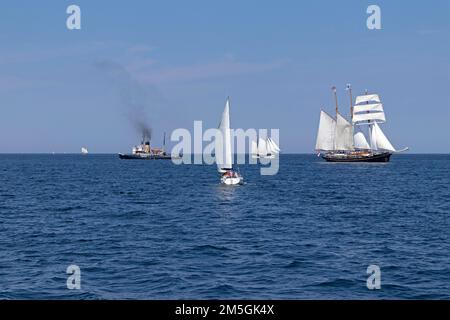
(154, 230)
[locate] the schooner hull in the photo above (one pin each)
(378, 157)
(255, 156)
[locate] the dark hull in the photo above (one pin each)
(144, 157)
(378, 157)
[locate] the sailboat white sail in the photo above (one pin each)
(361, 141)
(344, 134)
(382, 142)
(326, 132)
(367, 98)
(273, 146)
(224, 158)
(224, 153)
(84, 150)
(265, 148)
(270, 151)
(254, 149)
(368, 108)
(262, 147)
(373, 138)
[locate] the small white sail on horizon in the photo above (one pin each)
(84, 150)
(273, 146)
(254, 149)
(262, 147)
(265, 148)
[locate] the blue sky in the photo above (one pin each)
(179, 60)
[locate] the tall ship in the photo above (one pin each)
(341, 140)
(264, 148)
(145, 152)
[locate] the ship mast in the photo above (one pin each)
(370, 126)
(349, 89)
(164, 142)
(335, 99)
(333, 88)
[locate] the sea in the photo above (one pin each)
(155, 230)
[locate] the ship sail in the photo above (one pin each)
(373, 138)
(376, 116)
(368, 108)
(381, 140)
(344, 134)
(366, 98)
(224, 159)
(262, 147)
(273, 146)
(325, 134)
(254, 148)
(270, 151)
(361, 141)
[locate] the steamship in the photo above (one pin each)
(145, 152)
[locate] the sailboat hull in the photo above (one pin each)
(232, 181)
(373, 157)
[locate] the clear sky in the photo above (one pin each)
(174, 62)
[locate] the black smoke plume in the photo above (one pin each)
(134, 98)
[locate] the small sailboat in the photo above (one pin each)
(265, 148)
(224, 153)
(336, 137)
(84, 150)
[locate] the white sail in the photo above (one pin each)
(84, 150)
(254, 148)
(367, 98)
(374, 116)
(343, 139)
(382, 141)
(368, 107)
(273, 146)
(262, 147)
(270, 150)
(224, 159)
(325, 133)
(361, 141)
(373, 137)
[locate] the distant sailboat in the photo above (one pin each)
(84, 150)
(265, 148)
(224, 153)
(337, 138)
